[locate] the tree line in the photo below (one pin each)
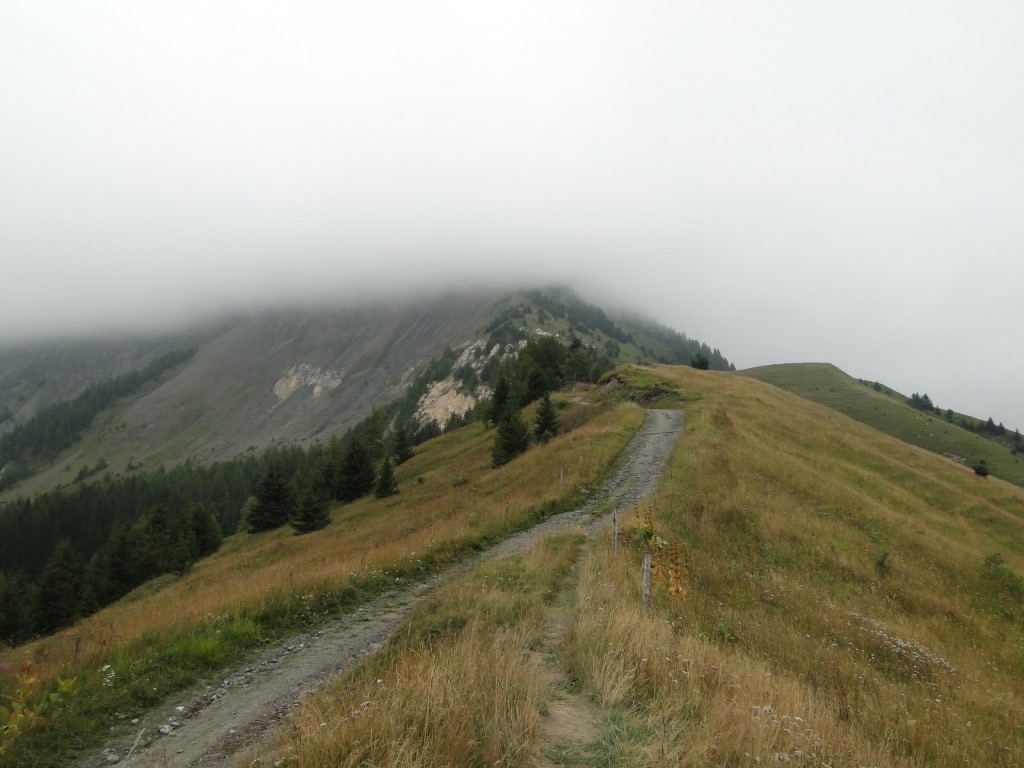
(68, 552)
(39, 440)
(988, 427)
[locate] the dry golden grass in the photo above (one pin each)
(834, 610)
(449, 497)
(839, 605)
(798, 641)
(694, 701)
(461, 688)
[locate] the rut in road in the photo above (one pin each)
(211, 726)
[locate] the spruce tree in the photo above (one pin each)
(60, 588)
(357, 476)
(206, 537)
(499, 400)
(312, 513)
(328, 477)
(386, 483)
(157, 543)
(275, 501)
(536, 385)
(513, 438)
(402, 451)
(15, 621)
(545, 424)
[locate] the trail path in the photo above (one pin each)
(572, 730)
(210, 725)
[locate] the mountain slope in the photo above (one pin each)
(888, 412)
(847, 599)
(299, 376)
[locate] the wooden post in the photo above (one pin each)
(561, 479)
(615, 532)
(647, 579)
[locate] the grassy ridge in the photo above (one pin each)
(826, 384)
(460, 687)
(173, 631)
(851, 600)
(848, 601)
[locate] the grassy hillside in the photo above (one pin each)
(888, 412)
(846, 600)
(172, 631)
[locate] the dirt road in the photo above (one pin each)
(209, 726)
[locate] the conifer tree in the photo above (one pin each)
(545, 424)
(357, 476)
(15, 621)
(328, 471)
(206, 537)
(536, 385)
(513, 438)
(402, 451)
(275, 500)
(60, 588)
(386, 483)
(312, 513)
(160, 547)
(499, 400)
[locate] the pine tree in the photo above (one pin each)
(402, 451)
(545, 424)
(157, 543)
(536, 385)
(60, 588)
(312, 513)
(275, 501)
(386, 483)
(120, 560)
(328, 471)
(513, 438)
(15, 621)
(206, 537)
(499, 400)
(357, 476)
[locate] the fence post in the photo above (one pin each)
(615, 532)
(647, 579)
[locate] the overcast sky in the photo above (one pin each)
(787, 181)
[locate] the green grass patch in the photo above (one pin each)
(888, 412)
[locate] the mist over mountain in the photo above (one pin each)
(302, 375)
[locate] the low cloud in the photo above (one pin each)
(786, 183)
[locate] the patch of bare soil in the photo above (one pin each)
(215, 724)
